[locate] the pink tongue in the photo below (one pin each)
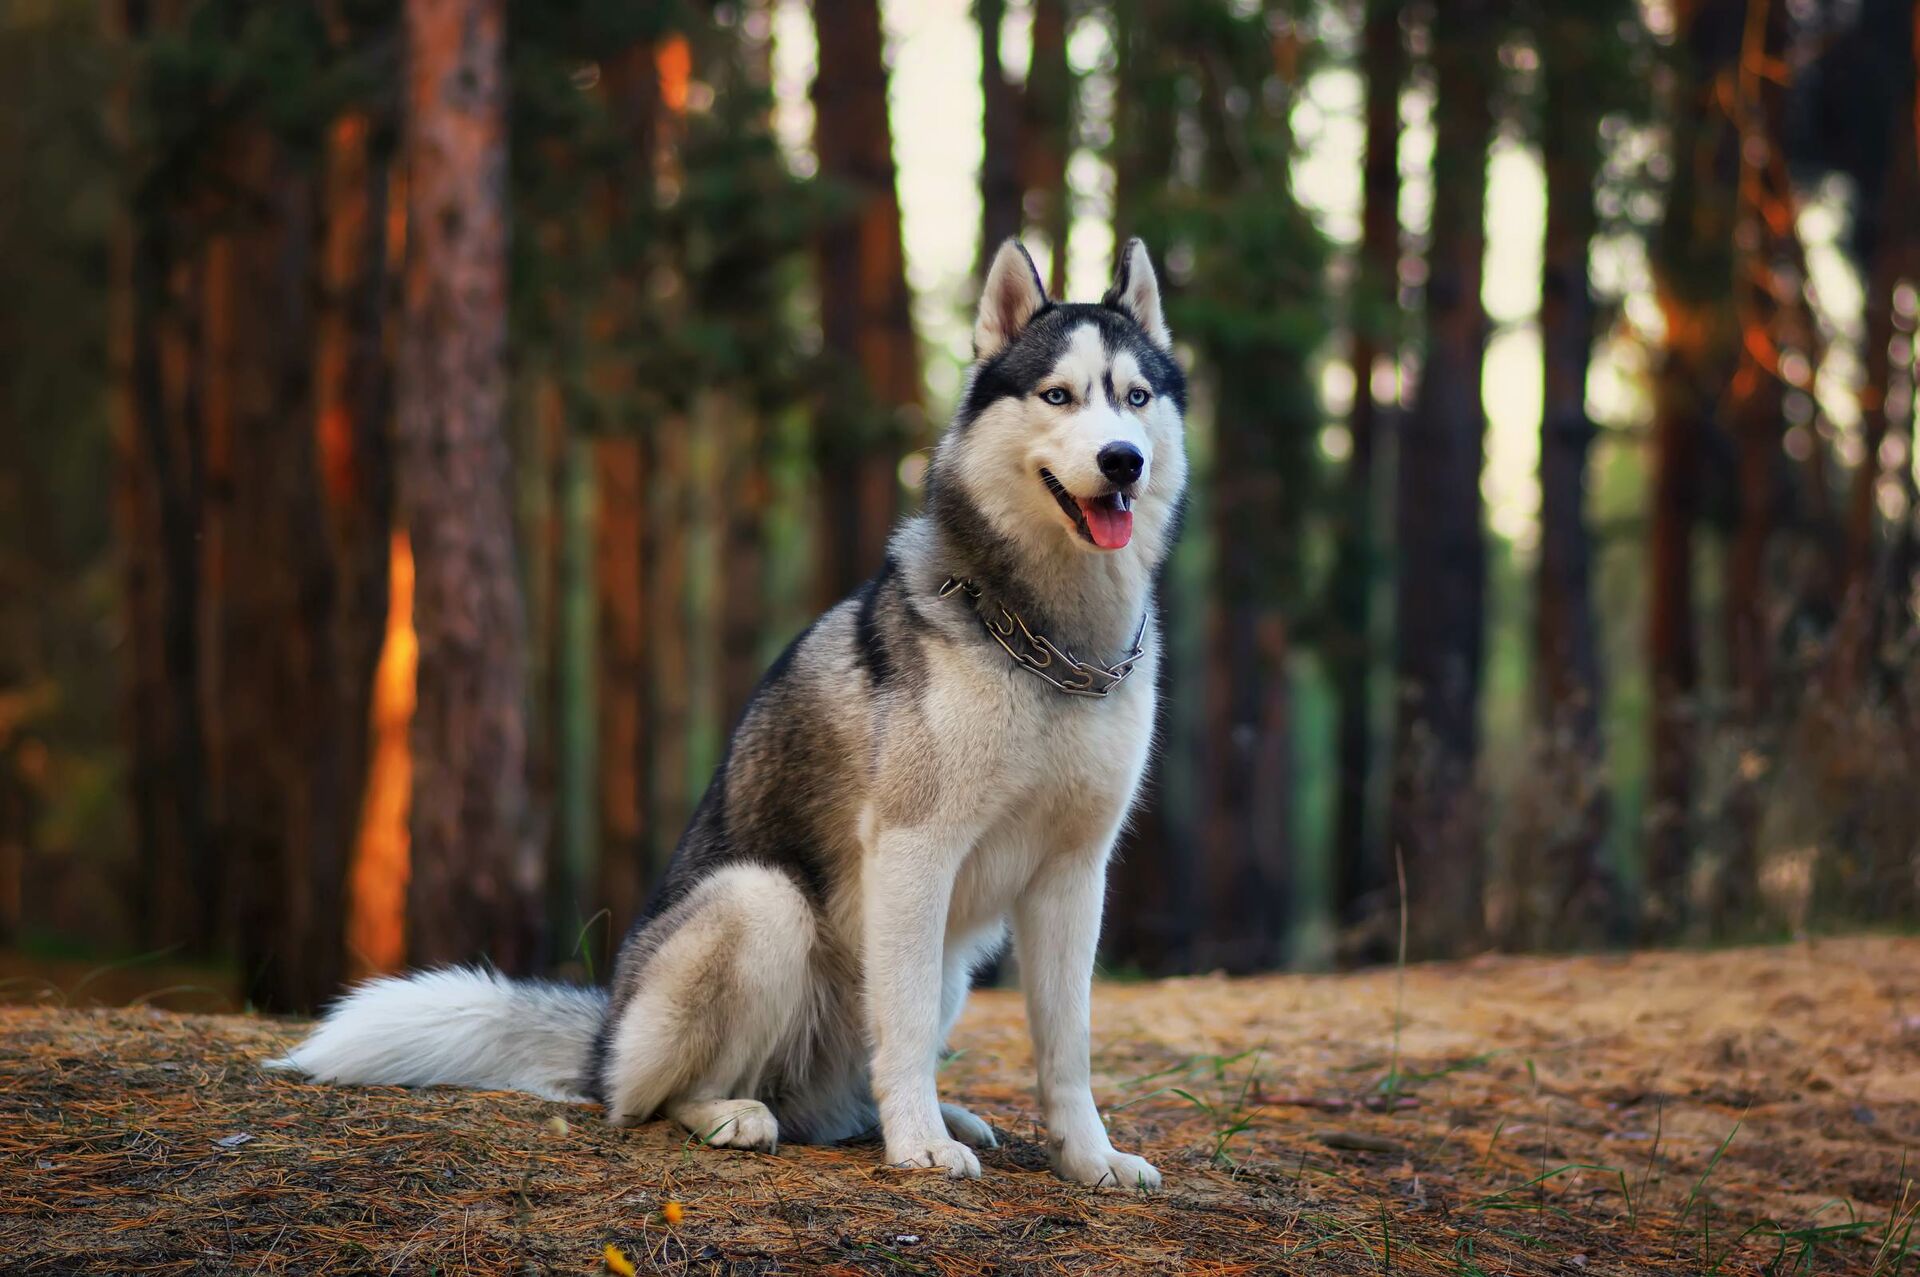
(1111, 526)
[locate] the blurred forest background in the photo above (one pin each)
(423, 421)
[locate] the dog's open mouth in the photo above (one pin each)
(1105, 520)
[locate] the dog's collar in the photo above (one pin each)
(1036, 653)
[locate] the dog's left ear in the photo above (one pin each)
(1137, 292)
(1012, 297)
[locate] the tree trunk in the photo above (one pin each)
(746, 492)
(1576, 900)
(1047, 137)
(1362, 876)
(1436, 820)
(289, 794)
(669, 512)
(622, 686)
(1000, 186)
(476, 874)
(865, 308)
(1154, 892)
(353, 410)
(157, 468)
(1691, 261)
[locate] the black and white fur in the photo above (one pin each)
(897, 796)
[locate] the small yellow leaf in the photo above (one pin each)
(673, 1212)
(617, 1261)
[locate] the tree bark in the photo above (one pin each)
(1001, 192)
(1691, 262)
(289, 794)
(1436, 819)
(1362, 876)
(353, 408)
(476, 874)
(1577, 898)
(865, 307)
(1047, 108)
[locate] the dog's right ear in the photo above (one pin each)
(1012, 297)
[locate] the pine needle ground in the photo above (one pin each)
(1742, 1111)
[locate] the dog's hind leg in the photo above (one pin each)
(714, 1007)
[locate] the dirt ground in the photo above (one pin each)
(1748, 1111)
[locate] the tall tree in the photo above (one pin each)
(1691, 261)
(865, 306)
(289, 793)
(1574, 903)
(159, 480)
(1436, 819)
(1001, 188)
(1047, 119)
(1362, 875)
(476, 873)
(1153, 898)
(1255, 253)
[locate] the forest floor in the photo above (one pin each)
(1741, 1111)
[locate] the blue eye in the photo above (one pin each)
(1138, 397)
(1056, 396)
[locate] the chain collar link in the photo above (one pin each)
(1037, 654)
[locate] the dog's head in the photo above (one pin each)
(1071, 433)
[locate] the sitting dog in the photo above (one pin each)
(950, 751)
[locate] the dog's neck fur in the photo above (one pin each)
(1089, 604)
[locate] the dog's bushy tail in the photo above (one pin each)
(457, 1026)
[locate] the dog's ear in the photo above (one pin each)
(1137, 292)
(1012, 297)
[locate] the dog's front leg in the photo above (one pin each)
(907, 885)
(1056, 926)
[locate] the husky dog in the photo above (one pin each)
(950, 751)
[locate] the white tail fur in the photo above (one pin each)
(456, 1026)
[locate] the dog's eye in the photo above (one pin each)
(1055, 395)
(1138, 397)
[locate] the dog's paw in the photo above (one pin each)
(951, 1156)
(1106, 1168)
(731, 1124)
(967, 1128)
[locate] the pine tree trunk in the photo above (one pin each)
(289, 792)
(1154, 892)
(865, 307)
(1577, 900)
(746, 492)
(353, 409)
(1691, 263)
(1047, 136)
(161, 692)
(1000, 185)
(476, 873)
(1436, 820)
(626, 552)
(1362, 876)
(623, 682)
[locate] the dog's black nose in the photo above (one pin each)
(1121, 463)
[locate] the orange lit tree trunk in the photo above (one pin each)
(475, 889)
(625, 553)
(1436, 819)
(353, 412)
(865, 308)
(1691, 266)
(1362, 875)
(1575, 898)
